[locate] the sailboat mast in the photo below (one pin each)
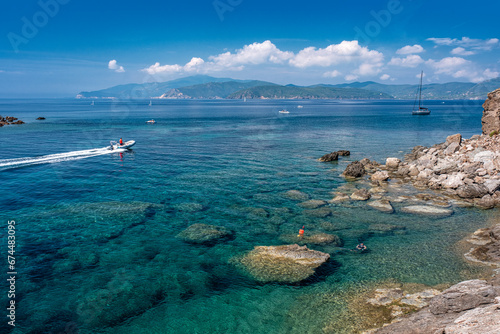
(420, 90)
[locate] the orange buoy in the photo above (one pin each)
(301, 232)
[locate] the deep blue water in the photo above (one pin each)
(96, 236)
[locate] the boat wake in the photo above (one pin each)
(53, 158)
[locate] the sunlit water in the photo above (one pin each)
(96, 234)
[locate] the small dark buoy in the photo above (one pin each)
(40, 118)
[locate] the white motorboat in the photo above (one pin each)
(284, 111)
(151, 121)
(115, 145)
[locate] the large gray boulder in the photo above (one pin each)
(288, 263)
(491, 113)
(463, 296)
(472, 191)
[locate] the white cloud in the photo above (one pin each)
(471, 43)
(351, 77)
(332, 74)
(256, 53)
(345, 52)
(113, 65)
(405, 50)
(367, 62)
(385, 77)
(460, 51)
(453, 66)
(489, 74)
(408, 61)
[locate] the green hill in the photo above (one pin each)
(148, 90)
(213, 90)
(318, 92)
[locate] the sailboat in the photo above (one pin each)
(421, 110)
(150, 103)
(92, 103)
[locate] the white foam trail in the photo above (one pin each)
(52, 158)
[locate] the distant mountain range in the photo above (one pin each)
(206, 87)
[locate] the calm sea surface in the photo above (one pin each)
(96, 246)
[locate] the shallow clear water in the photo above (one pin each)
(96, 236)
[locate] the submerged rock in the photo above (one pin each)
(314, 239)
(289, 263)
(318, 213)
(296, 195)
(427, 210)
(312, 204)
(204, 234)
(382, 205)
(361, 195)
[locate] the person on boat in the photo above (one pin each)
(121, 142)
(361, 247)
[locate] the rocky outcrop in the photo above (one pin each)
(334, 156)
(354, 169)
(467, 307)
(289, 263)
(205, 234)
(8, 120)
(491, 113)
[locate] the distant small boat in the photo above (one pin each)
(300, 107)
(421, 110)
(150, 103)
(151, 121)
(245, 99)
(284, 111)
(92, 103)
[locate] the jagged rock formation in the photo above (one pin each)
(8, 120)
(491, 113)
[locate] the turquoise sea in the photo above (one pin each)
(96, 246)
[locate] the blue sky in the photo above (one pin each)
(56, 48)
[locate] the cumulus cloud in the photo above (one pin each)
(113, 65)
(351, 77)
(408, 61)
(345, 52)
(385, 77)
(366, 62)
(332, 74)
(449, 65)
(256, 53)
(471, 43)
(460, 51)
(405, 50)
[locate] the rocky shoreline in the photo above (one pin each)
(465, 171)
